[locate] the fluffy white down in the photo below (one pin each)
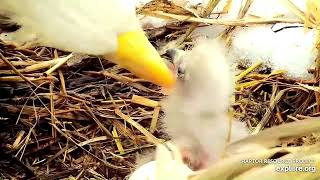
(74, 25)
(274, 8)
(196, 112)
(289, 49)
(167, 165)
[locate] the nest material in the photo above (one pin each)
(67, 124)
(90, 118)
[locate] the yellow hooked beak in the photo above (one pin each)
(136, 54)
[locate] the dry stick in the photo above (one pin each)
(59, 64)
(247, 71)
(24, 105)
(22, 76)
(70, 139)
(101, 126)
(317, 77)
(53, 119)
(124, 130)
(86, 142)
(150, 137)
(40, 65)
(154, 120)
(227, 7)
(18, 79)
(18, 142)
(317, 71)
(243, 11)
(144, 101)
(294, 9)
(236, 22)
(125, 80)
(211, 5)
(117, 141)
(63, 150)
(266, 116)
(16, 70)
(63, 84)
(20, 63)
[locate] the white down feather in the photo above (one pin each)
(86, 26)
(196, 112)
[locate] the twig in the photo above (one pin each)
(247, 71)
(149, 136)
(266, 116)
(105, 162)
(16, 70)
(62, 82)
(237, 22)
(101, 126)
(154, 120)
(59, 64)
(53, 118)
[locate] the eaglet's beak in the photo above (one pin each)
(136, 54)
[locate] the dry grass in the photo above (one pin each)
(89, 118)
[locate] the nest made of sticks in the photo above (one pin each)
(89, 118)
